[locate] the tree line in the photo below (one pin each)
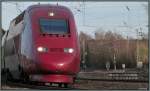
(112, 47)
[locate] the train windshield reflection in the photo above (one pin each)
(54, 26)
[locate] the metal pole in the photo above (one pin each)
(83, 12)
(137, 55)
(114, 62)
(84, 55)
(127, 46)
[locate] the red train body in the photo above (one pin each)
(48, 45)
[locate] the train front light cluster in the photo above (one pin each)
(42, 49)
(51, 14)
(68, 50)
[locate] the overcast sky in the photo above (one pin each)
(121, 17)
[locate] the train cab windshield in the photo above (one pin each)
(54, 26)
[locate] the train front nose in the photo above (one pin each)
(58, 63)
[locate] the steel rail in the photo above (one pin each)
(113, 80)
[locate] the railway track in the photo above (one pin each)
(114, 76)
(94, 84)
(82, 84)
(20, 84)
(113, 80)
(88, 82)
(33, 85)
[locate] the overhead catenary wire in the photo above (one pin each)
(81, 8)
(17, 6)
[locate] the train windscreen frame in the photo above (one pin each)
(54, 26)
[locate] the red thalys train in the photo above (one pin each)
(47, 45)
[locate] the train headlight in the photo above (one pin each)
(60, 64)
(68, 50)
(41, 49)
(51, 14)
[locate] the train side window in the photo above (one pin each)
(19, 18)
